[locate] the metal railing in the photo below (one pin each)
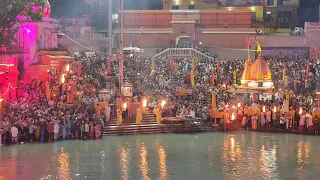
(183, 52)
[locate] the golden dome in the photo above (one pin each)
(246, 73)
(260, 70)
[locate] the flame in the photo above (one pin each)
(232, 116)
(239, 105)
(300, 111)
(264, 108)
(62, 78)
(125, 105)
(68, 67)
(275, 109)
(163, 103)
(144, 103)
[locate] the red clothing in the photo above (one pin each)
(50, 128)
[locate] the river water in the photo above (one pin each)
(238, 155)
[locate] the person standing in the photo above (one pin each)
(107, 113)
(32, 128)
(56, 131)
(50, 129)
(269, 118)
(119, 117)
(309, 122)
(302, 122)
(158, 115)
(254, 122)
(86, 130)
(139, 116)
(14, 134)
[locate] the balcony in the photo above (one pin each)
(239, 3)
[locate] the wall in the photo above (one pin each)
(147, 20)
(213, 19)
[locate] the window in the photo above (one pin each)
(175, 7)
(270, 2)
(256, 2)
(229, 2)
(192, 7)
(280, 2)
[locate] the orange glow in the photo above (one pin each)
(1, 100)
(264, 108)
(68, 67)
(63, 78)
(300, 111)
(125, 105)
(163, 103)
(232, 116)
(144, 103)
(239, 105)
(275, 109)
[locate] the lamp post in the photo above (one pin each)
(110, 29)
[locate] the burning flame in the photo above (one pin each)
(62, 78)
(163, 103)
(144, 103)
(232, 116)
(125, 105)
(275, 109)
(68, 67)
(264, 108)
(239, 105)
(300, 111)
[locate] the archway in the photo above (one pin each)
(184, 40)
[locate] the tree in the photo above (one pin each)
(13, 13)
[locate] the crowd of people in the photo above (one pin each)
(35, 117)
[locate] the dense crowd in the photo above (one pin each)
(32, 117)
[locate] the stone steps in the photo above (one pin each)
(149, 126)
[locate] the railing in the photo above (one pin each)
(183, 52)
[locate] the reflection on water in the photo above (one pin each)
(64, 166)
(162, 163)
(239, 155)
(124, 163)
(144, 163)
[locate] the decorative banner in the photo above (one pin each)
(214, 100)
(153, 63)
(192, 74)
(48, 92)
(287, 98)
(108, 66)
(284, 72)
(79, 68)
(308, 68)
(212, 76)
(314, 52)
(171, 65)
(218, 66)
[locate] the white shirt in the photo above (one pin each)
(56, 128)
(192, 114)
(86, 128)
(14, 131)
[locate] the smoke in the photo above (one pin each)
(68, 8)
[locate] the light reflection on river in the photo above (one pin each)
(239, 155)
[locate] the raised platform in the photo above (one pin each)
(150, 126)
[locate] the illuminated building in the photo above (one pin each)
(280, 13)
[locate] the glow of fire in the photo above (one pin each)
(144, 103)
(62, 78)
(264, 108)
(275, 109)
(68, 67)
(300, 111)
(232, 116)
(163, 103)
(125, 105)
(239, 105)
